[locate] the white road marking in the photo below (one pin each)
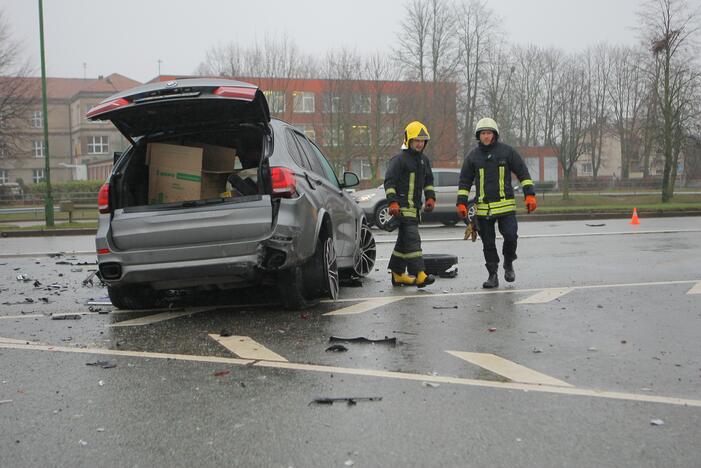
(428, 294)
(365, 306)
(696, 289)
(572, 391)
(246, 348)
(10, 317)
(13, 341)
(538, 236)
(510, 370)
(47, 254)
(155, 318)
(544, 296)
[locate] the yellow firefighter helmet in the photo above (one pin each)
(415, 131)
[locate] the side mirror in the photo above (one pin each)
(350, 179)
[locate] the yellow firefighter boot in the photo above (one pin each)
(422, 279)
(403, 279)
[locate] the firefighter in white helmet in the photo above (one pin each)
(408, 175)
(489, 167)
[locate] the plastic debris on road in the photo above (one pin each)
(362, 339)
(657, 422)
(103, 364)
(430, 384)
(351, 401)
(337, 348)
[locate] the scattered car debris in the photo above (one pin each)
(65, 317)
(2, 402)
(82, 442)
(23, 278)
(37, 283)
(592, 349)
(445, 307)
(101, 383)
(99, 310)
(337, 348)
(88, 281)
(100, 301)
(596, 225)
(430, 384)
(537, 350)
(351, 401)
(657, 422)
(103, 364)
(362, 339)
(492, 329)
(221, 373)
(404, 333)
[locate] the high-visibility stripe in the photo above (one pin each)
(526, 182)
(481, 197)
(499, 207)
(502, 195)
(410, 212)
(498, 204)
(463, 192)
(416, 254)
(390, 191)
(429, 187)
(412, 176)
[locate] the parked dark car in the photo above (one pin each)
(213, 194)
(445, 182)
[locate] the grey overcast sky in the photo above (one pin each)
(130, 36)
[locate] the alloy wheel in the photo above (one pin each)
(365, 256)
(331, 268)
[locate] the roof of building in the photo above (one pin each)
(67, 88)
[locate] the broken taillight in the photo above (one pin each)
(106, 106)
(103, 199)
(236, 92)
(284, 182)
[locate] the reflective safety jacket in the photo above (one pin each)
(490, 168)
(408, 174)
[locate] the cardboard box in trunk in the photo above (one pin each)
(180, 173)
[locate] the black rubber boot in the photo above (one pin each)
(493, 280)
(509, 273)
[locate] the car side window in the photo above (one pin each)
(447, 179)
(311, 157)
(295, 150)
(328, 170)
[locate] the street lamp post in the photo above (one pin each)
(48, 200)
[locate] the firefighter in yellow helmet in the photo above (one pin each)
(408, 175)
(489, 167)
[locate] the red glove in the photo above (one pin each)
(430, 205)
(531, 204)
(394, 209)
(461, 209)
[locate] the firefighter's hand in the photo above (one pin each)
(461, 209)
(430, 205)
(394, 209)
(531, 204)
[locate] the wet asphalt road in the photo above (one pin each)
(619, 338)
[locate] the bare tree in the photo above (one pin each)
(16, 95)
(670, 27)
(527, 88)
(552, 60)
(573, 121)
(598, 66)
(476, 24)
(497, 92)
(628, 100)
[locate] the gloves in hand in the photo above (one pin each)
(461, 209)
(394, 209)
(429, 205)
(531, 204)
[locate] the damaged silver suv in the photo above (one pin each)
(213, 194)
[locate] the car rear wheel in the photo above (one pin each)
(133, 297)
(382, 215)
(301, 286)
(364, 258)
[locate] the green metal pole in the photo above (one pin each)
(49, 199)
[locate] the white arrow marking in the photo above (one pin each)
(696, 289)
(544, 296)
(510, 370)
(246, 348)
(365, 306)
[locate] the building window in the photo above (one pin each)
(587, 168)
(276, 101)
(360, 135)
(308, 130)
(38, 148)
(389, 104)
(362, 168)
(3, 176)
(3, 150)
(36, 119)
(303, 102)
(389, 136)
(37, 175)
(332, 104)
(360, 104)
(333, 136)
(98, 144)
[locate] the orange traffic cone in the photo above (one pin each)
(634, 219)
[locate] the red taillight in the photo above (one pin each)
(103, 251)
(103, 199)
(284, 183)
(106, 106)
(236, 92)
